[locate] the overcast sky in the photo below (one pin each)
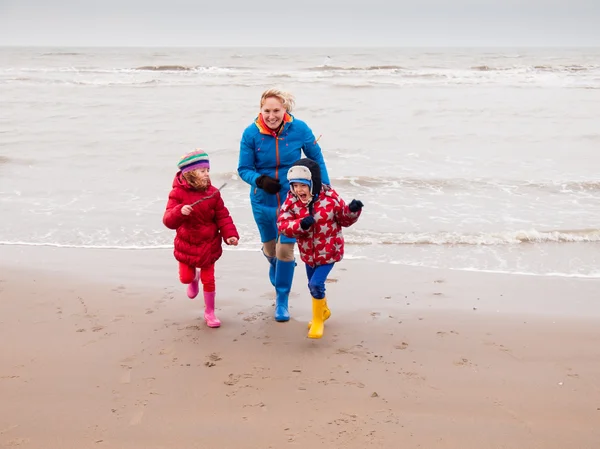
(300, 22)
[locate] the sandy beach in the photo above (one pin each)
(102, 349)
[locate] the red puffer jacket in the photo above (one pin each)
(198, 238)
(323, 242)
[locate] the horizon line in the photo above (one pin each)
(520, 46)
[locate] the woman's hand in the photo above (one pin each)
(268, 184)
(186, 210)
(232, 241)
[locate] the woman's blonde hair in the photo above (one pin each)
(286, 98)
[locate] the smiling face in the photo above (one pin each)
(272, 111)
(302, 191)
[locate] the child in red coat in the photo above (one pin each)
(196, 211)
(314, 214)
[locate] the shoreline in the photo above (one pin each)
(421, 287)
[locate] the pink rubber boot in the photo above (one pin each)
(209, 310)
(193, 289)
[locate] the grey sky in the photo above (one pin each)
(300, 22)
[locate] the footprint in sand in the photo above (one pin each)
(8, 429)
(412, 375)
(464, 362)
(502, 348)
(137, 417)
(357, 351)
(125, 374)
(232, 380)
(215, 357)
(443, 333)
(402, 346)
(17, 442)
(254, 316)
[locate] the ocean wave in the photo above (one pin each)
(331, 68)
(565, 186)
(466, 184)
(361, 237)
(381, 76)
(119, 70)
(83, 246)
(62, 53)
(396, 70)
(78, 82)
(113, 247)
(541, 68)
(166, 68)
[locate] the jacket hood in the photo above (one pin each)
(315, 172)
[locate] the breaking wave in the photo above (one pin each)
(466, 184)
(332, 68)
(476, 239)
(166, 68)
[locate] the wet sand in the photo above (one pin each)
(102, 348)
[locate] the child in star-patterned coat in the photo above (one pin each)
(315, 214)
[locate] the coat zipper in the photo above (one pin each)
(276, 136)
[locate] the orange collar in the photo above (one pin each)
(264, 129)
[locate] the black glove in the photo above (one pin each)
(307, 222)
(355, 205)
(268, 184)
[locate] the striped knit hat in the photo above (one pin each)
(193, 160)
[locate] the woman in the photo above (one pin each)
(269, 147)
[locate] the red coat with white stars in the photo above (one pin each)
(323, 242)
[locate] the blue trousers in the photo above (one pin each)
(316, 279)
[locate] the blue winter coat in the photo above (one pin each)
(264, 153)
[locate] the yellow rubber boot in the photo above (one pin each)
(326, 312)
(318, 324)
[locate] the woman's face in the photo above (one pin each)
(272, 112)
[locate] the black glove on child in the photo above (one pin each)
(268, 184)
(307, 222)
(355, 205)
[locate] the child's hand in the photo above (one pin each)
(186, 210)
(232, 241)
(355, 205)
(307, 222)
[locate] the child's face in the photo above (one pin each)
(200, 177)
(203, 175)
(302, 191)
